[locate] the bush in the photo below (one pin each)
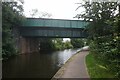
(77, 43)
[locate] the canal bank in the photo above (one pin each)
(36, 65)
(75, 67)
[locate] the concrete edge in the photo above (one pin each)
(60, 72)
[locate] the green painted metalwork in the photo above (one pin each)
(41, 22)
(53, 32)
(40, 27)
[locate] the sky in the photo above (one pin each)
(60, 9)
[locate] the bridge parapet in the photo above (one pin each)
(42, 22)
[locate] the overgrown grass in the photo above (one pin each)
(96, 69)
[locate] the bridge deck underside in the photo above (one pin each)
(53, 32)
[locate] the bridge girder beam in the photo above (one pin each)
(54, 32)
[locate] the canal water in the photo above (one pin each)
(36, 65)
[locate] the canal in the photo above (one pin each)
(36, 65)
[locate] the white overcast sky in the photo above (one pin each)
(60, 9)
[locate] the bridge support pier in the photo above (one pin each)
(29, 45)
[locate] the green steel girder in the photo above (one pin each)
(40, 27)
(53, 32)
(42, 22)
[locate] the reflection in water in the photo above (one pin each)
(36, 65)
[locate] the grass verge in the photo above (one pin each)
(96, 69)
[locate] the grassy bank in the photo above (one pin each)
(96, 69)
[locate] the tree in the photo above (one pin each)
(12, 16)
(98, 13)
(45, 15)
(34, 13)
(68, 45)
(58, 43)
(46, 44)
(104, 33)
(77, 43)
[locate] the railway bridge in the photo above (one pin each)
(28, 33)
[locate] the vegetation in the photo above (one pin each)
(67, 45)
(77, 43)
(46, 44)
(54, 44)
(12, 16)
(104, 34)
(96, 68)
(35, 13)
(58, 44)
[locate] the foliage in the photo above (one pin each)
(12, 16)
(46, 44)
(104, 33)
(35, 13)
(77, 43)
(58, 43)
(96, 69)
(67, 45)
(54, 44)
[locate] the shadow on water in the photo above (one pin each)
(36, 65)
